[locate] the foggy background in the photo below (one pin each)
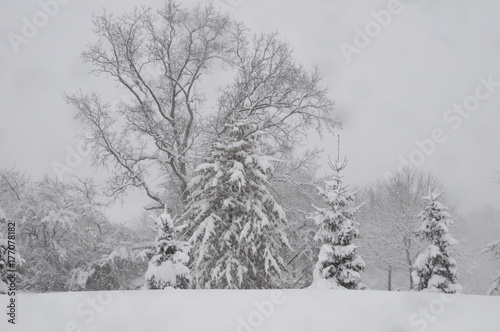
(395, 91)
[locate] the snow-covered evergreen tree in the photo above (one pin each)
(168, 266)
(233, 219)
(434, 268)
(338, 263)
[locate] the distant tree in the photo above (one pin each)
(338, 263)
(388, 221)
(234, 222)
(12, 185)
(434, 268)
(494, 249)
(474, 230)
(167, 267)
(62, 229)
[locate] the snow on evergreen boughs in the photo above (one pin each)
(233, 219)
(168, 267)
(338, 263)
(434, 268)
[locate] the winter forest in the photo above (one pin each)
(234, 147)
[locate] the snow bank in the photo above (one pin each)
(247, 311)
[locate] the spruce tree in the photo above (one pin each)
(233, 219)
(434, 268)
(167, 268)
(338, 263)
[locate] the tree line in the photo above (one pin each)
(234, 204)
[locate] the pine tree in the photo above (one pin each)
(434, 268)
(233, 219)
(167, 268)
(338, 263)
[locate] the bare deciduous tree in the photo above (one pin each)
(494, 249)
(279, 95)
(158, 58)
(388, 222)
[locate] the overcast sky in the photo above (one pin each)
(399, 88)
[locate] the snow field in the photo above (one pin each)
(253, 310)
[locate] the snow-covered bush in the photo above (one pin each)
(338, 264)
(434, 269)
(115, 271)
(234, 222)
(61, 227)
(168, 266)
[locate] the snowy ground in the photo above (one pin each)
(247, 311)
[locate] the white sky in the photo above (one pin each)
(395, 91)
